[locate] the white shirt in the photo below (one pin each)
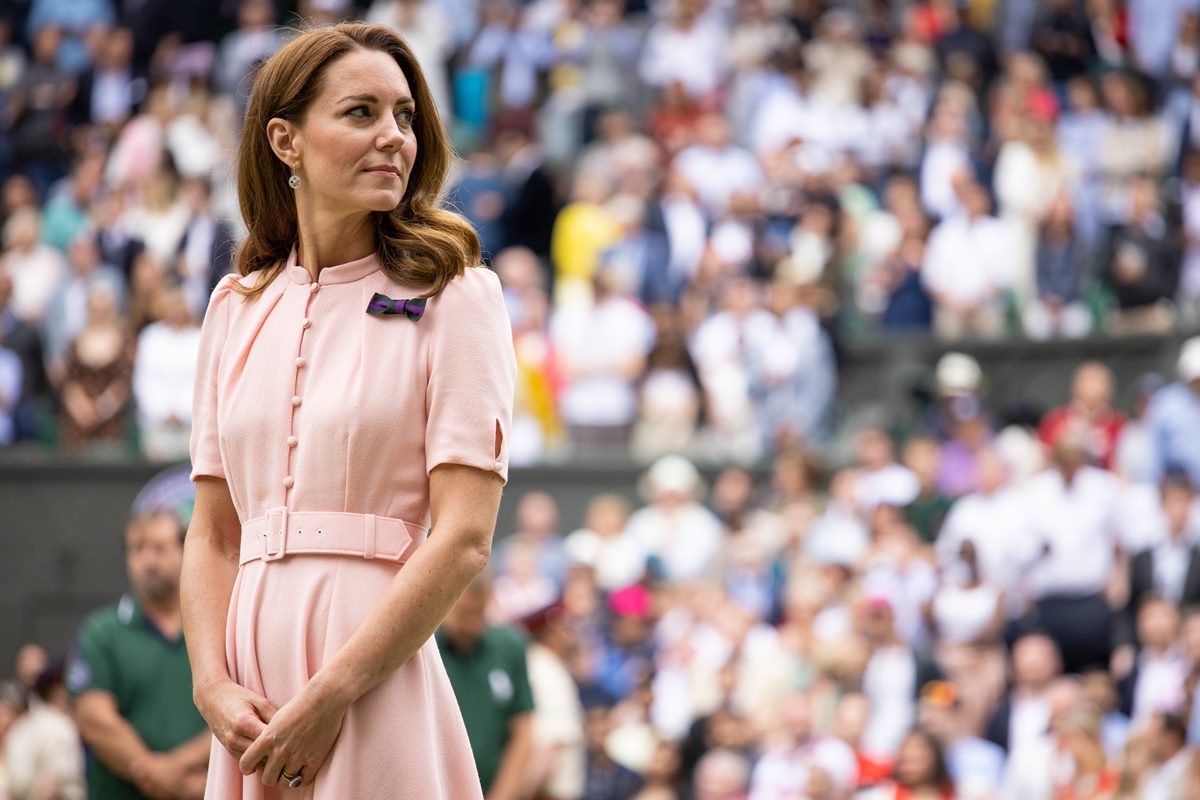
(718, 174)
(783, 774)
(164, 372)
(557, 721)
(693, 57)
(35, 275)
(687, 539)
(598, 339)
(618, 560)
(967, 260)
(1171, 561)
(989, 521)
(889, 682)
(1077, 522)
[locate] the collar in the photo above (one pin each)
(342, 273)
(130, 614)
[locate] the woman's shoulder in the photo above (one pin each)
(475, 294)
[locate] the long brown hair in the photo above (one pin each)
(419, 243)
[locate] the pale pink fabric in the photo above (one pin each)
(382, 400)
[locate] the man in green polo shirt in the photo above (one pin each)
(486, 665)
(131, 681)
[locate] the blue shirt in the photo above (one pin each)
(1173, 420)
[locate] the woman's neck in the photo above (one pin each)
(329, 238)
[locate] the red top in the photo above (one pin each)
(1103, 430)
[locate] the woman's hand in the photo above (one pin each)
(298, 738)
(236, 715)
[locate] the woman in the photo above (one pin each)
(920, 772)
(354, 383)
(97, 378)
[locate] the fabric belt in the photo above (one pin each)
(282, 532)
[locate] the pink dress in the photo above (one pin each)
(323, 417)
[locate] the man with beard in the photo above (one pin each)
(131, 682)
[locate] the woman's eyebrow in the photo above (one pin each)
(370, 98)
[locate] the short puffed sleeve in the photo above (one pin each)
(472, 375)
(204, 447)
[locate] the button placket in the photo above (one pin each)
(299, 363)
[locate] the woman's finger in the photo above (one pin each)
(255, 754)
(276, 762)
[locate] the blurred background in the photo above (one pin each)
(857, 427)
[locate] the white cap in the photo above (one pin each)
(958, 373)
(1189, 360)
(672, 474)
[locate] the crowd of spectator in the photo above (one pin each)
(689, 202)
(979, 608)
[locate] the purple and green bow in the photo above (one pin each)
(382, 304)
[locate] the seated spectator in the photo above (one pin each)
(1091, 411)
(669, 394)
(11, 379)
(537, 525)
(1091, 776)
(722, 775)
(163, 375)
(1174, 768)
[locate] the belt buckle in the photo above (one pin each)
(275, 516)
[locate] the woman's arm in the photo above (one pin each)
(464, 502)
(210, 564)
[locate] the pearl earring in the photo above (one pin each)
(294, 181)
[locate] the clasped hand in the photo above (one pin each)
(297, 737)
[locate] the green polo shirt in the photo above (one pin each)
(120, 651)
(492, 686)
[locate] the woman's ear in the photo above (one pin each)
(284, 138)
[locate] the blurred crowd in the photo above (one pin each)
(690, 202)
(977, 607)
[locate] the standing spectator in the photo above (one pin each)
(1160, 669)
(97, 380)
(680, 536)
(1021, 719)
(131, 681)
(112, 88)
(36, 109)
(36, 268)
(23, 339)
(10, 392)
(1063, 38)
(253, 41)
(487, 668)
(687, 48)
(967, 269)
(559, 760)
(721, 171)
(163, 375)
(1142, 263)
(1061, 272)
(787, 769)
(1170, 568)
(66, 311)
(537, 518)
(601, 350)
(920, 772)
(205, 249)
(42, 748)
(1173, 417)
(425, 26)
(1068, 541)
(1089, 411)
(1174, 772)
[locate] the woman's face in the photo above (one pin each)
(356, 144)
(914, 762)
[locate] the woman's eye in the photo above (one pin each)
(363, 109)
(407, 116)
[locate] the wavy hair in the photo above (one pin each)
(418, 242)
